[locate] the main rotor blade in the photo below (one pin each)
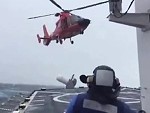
(40, 16)
(57, 5)
(89, 6)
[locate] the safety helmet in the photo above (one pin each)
(103, 81)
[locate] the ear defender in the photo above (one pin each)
(115, 89)
(116, 83)
(86, 79)
(90, 79)
(103, 76)
(83, 79)
(103, 81)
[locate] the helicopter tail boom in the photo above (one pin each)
(46, 38)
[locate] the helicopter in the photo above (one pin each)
(68, 25)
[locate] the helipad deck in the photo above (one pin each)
(56, 100)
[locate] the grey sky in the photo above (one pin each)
(24, 60)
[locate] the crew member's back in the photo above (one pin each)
(102, 94)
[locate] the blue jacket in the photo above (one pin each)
(83, 104)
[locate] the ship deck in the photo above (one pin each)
(56, 100)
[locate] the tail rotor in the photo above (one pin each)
(39, 39)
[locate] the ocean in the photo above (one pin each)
(12, 95)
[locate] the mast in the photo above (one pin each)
(143, 44)
(140, 20)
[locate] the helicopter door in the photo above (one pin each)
(64, 23)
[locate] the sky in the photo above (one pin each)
(24, 60)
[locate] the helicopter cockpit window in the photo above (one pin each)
(73, 19)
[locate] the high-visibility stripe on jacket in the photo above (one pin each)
(83, 104)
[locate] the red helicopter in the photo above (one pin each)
(67, 26)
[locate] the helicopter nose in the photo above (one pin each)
(84, 22)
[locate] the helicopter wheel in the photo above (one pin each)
(61, 41)
(81, 32)
(72, 42)
(57, 41)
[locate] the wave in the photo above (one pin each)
(3, 95)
